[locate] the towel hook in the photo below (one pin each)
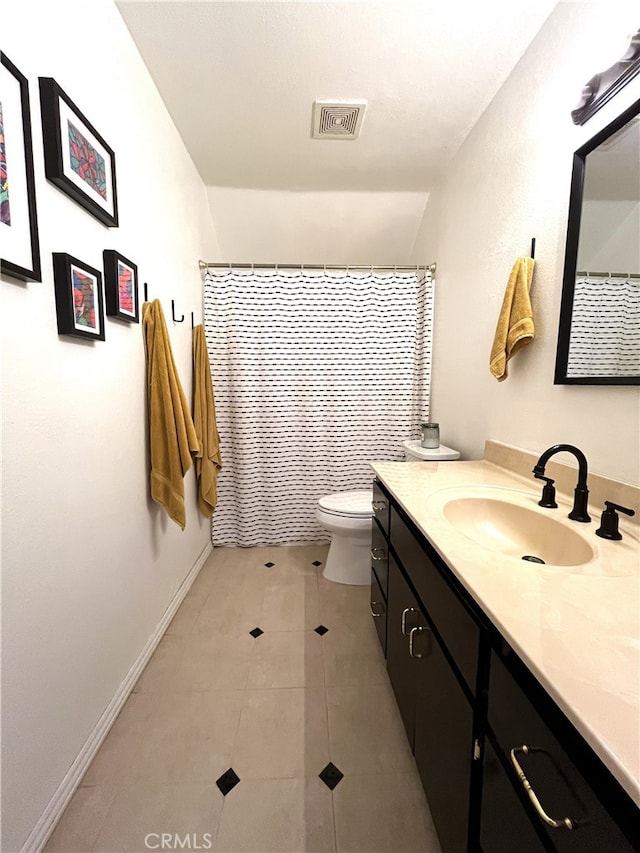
(146, 297)
(533, 247)
(192, 323)
(173, 313)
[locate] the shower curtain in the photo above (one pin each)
(316, 373)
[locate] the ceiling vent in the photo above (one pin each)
(337, 119)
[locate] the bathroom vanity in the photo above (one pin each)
(517, 682)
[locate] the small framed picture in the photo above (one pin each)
(76, 158)
(19, 242)
(79, 303)
(120, 286)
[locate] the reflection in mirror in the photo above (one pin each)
(599, 335)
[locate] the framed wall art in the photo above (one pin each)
(19, 244)
(76, 158)
(120, 286)
(79, 304)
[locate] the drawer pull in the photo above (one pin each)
(413, 654)
(565, 822)
(372, 605)
(403, 621)
(381, 550)
(378, 506)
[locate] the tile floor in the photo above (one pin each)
(220, 701)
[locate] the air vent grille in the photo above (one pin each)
(337, 119)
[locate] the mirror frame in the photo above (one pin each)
(571, 258)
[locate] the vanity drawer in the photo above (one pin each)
(380, 505)
(379, 611)
(560, 786)
(455, 624)
(380, 557)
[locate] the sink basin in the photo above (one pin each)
(516, 530)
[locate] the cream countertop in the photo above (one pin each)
(577, 628)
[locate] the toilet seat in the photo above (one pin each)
(355, 504)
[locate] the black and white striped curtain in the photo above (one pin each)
(605, 327)
(315, 374)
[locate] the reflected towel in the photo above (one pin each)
(208, 459)
(515, 326)
(172, 436)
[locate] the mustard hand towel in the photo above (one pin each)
(208, 459)
(515, 326)
(172, 436)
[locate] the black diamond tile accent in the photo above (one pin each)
(269, 565)
(331, 776)
(321, 630)
(316, 563)
(256, 632)
(230, 779)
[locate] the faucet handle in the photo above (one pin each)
(609, 520)
(548, 498)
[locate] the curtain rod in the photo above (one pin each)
(589, 274)
(399, 268)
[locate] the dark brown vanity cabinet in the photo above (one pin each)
(476, 718)
(436, 710)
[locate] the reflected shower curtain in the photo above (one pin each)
(604, 340)
(315, 375)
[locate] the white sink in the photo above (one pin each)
(514, 526)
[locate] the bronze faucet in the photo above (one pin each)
(581, 493)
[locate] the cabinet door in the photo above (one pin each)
(403, 614)
(457, 627)
(443, 744)
(562, 790)
(379, 612)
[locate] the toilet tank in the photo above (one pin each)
(414, 452)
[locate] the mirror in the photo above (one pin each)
(599, 334)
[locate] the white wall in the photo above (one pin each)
(89, 562)
(272, 226)
(508, 183)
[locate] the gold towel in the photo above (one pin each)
(208, 459)
(515, 326)
(172, 436)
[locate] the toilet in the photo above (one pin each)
(347, 516)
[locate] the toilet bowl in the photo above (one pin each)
(347, 516)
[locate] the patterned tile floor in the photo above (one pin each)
(252, 730)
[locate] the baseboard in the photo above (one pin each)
(53, 812)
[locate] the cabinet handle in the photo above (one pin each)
(372, 605)
(381, 550)
(379, 505)
(565, 822)
(413, 654)
(403, 620)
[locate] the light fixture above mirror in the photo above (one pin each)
(605, 84)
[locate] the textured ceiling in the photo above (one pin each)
(239, 79)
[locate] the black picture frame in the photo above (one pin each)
(79, 300)
(77, 159)
(120, 287)
(18, 211)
